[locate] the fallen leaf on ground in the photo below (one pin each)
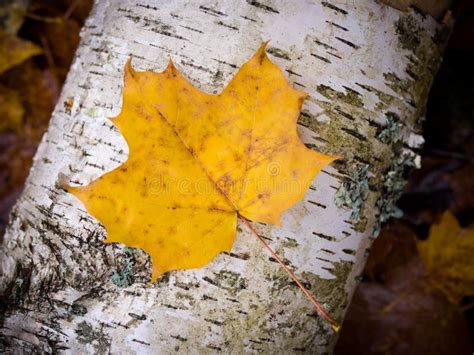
(11, 109)
(447, 255)
(395, 310)
(14, 50)
(197, 161)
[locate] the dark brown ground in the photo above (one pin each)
(395, 310)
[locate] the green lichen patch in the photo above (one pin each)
(409, 32)
(289, 243)
(392, 131)
(230, 281)
(95, 337)
(124, 276)
(394, 181)
(352, 193)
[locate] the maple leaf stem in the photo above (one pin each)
(334, 324)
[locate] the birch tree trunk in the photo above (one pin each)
(367, 67)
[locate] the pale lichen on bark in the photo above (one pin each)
(66, 290)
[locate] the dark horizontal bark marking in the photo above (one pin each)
(192, 29)
(213, 347)
(352, 90)
(372, 123)
(293, 73)
(148, 7)
(299, 349)
(328, 251)
(118, 324)
(333, 7)
(241, 312)
(321, 58)
(324, 236)
(322, 259)
(306, 284)
(100, 50)
(206, 297)
(198, 67)
(97, 166)
(324, 45)
(167, 33)
(278, 53)
(170, 306)
(262, 6)
(298, 84)
(344, 114)
(338, 26)
(346, 233)
(141, 342)
(137, 316)
(179, 337)
(334, 55)
(223, 62)
(233, 300)
(321, 139)
(240, 256)
(210, 11)
(346, 42)
(412, 74)
(317, 204)
(349, 251)
(220, 23)
(212, 282)
(354, 133)
(306, 114)
(248, 18)
(216, 322)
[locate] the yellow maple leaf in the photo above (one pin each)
(198, 161)
(448, 257)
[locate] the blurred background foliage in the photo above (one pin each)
(37, 43)
(417, 291)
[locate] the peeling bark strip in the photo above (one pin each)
(64, 290)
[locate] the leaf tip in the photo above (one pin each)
(155, 272)
(261, 52)
(170, 68)
(128, 66)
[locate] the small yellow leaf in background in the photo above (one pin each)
(448, 256)
(197, 161)
(11, 109)
(14, 50)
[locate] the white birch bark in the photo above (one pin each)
(367, 68)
